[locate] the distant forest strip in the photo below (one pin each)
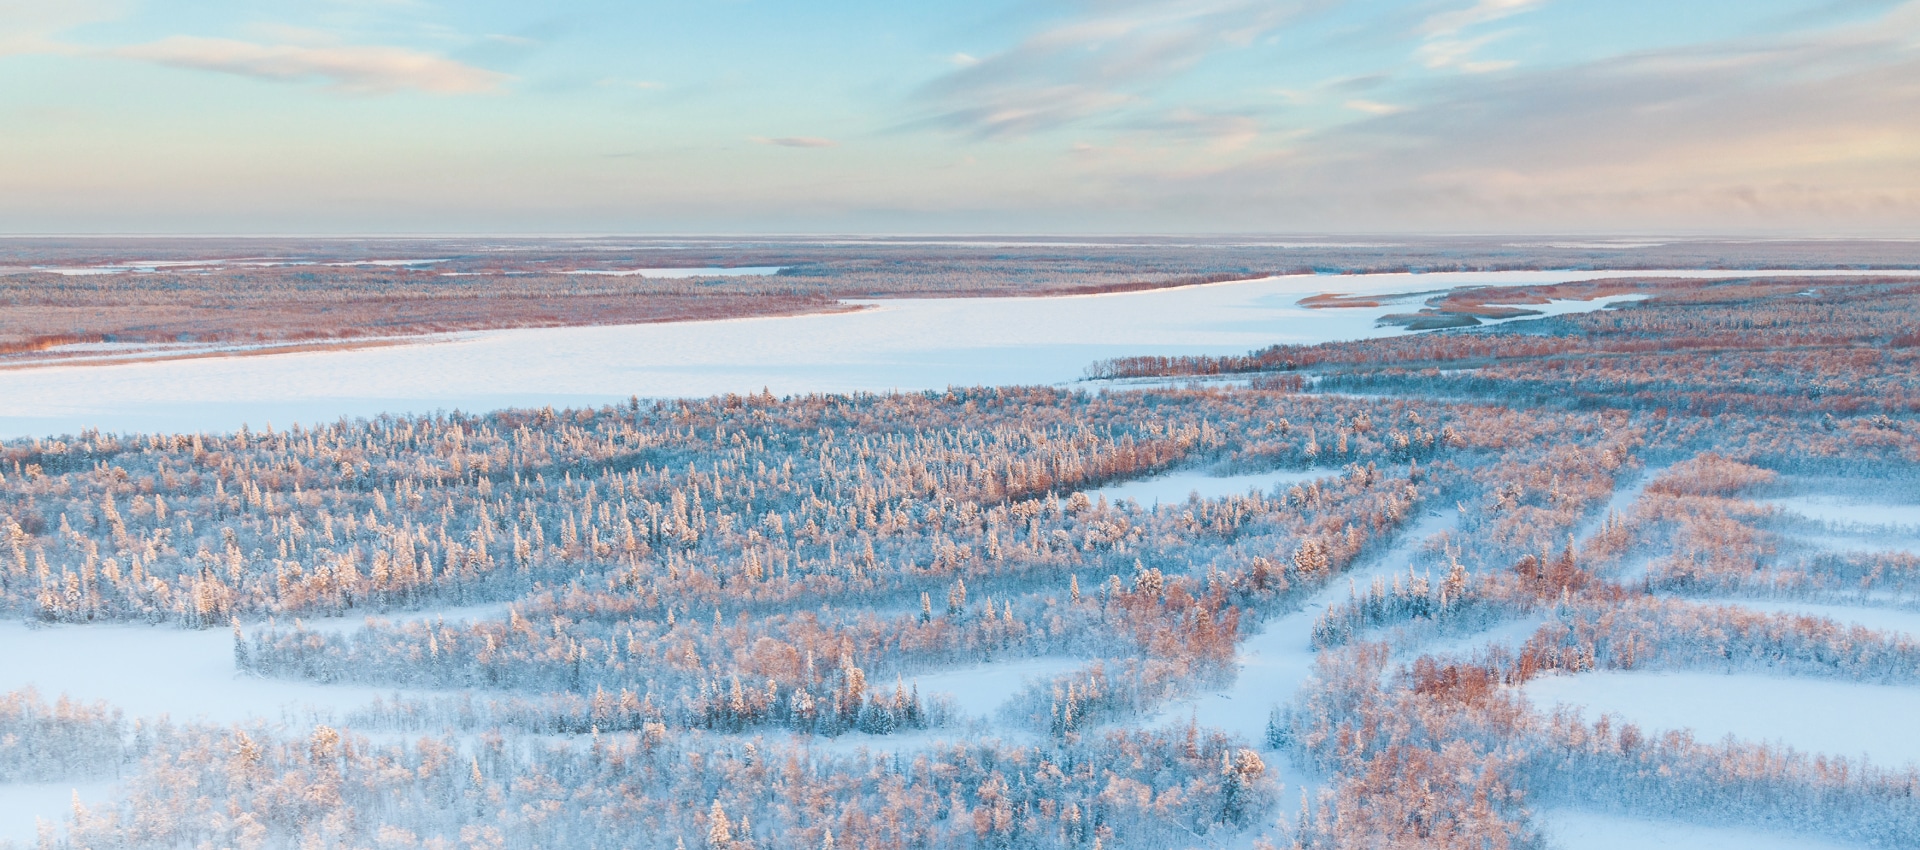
(1692, 343)
(281, 291)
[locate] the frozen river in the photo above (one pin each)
(904, 344)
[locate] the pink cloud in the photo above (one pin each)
(368, 70)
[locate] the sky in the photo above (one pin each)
(1770, 117)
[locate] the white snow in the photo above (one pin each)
(1808, 714)
(1863, 543)
(22, 804)
(461, 614)
(1566, 306)
(1511, 634)
(150, 671)
(1175, 487)
(1573, 829)
(905, 344)
(980, 690)
(707, 271)
(1846, 512)
(1897, 620)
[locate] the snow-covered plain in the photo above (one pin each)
(1572, 829)
(24, 804)
(904, 344)
(1811, 715)
(980, 690)
(1897, 620)
(1565, 306)
(148, 672)
(707, 271)
(1847, 513)
(1174, 487)
(1863, 543)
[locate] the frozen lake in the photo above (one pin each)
(904, 344)
(706, 271)
(1811, 715)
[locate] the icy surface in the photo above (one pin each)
(708, 271)
(981, 689)
(1175, 487)
(1863, 543)
(24, 803)
(1847, 512)
(1811, 715)
(1565, 306)
(148, 672)
(905, 344)
(461, 614)
(1571, 829)
(1878, 619)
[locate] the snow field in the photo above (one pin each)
(903, 344)
(1846, 513)
(1572, 829)
(1896, 620)
(1811, 715)
(22, 804)
(676, 273)
(148, 672)
(978, 691)
(455, 615)
(1174, 487)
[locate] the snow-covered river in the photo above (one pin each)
(903, 344)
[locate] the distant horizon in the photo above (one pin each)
(1436, 236)
(1011, 116)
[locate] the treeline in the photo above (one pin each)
(253, 787)
(726, 501)
(1753, 347)
(65, 740)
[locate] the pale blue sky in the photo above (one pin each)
(1112, 115)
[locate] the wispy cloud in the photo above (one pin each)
(795, 141)
(1444, 47)
(641, 85)
(1373, 107)
(1485, 11)
(357, 69)
(1098, 63)
(28, 26)
(1674, 137)
(1458, 54)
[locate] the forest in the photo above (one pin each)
(702, 623)
(178, 297)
